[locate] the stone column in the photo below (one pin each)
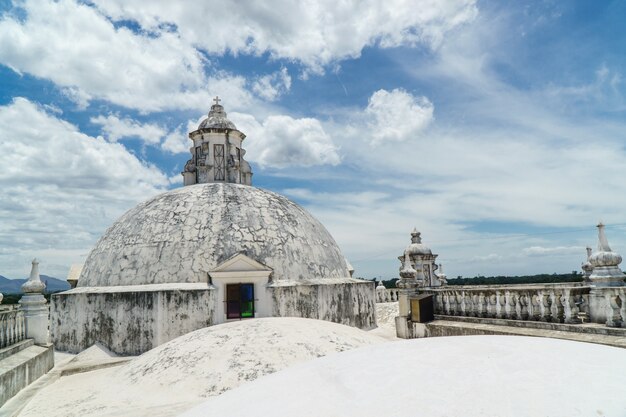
(406, 285)
(33, 304)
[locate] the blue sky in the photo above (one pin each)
(497, 129)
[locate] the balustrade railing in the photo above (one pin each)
(12, 327)
(547, 303)
(387, 295)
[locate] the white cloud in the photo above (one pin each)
(282, 141)
(554, 251)
(272, 86)
(178, 140)
(115, 129)
(397, 115)
(81, 51)
(492, 257)
(315, 33)
(60, 188)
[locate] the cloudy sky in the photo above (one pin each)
(498, 129)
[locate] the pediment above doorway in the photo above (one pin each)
(240, 265)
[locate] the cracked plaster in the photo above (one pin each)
(180, 235)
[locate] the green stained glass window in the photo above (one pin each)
(239, 301)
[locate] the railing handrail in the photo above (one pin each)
(388, 295)
(514, 286)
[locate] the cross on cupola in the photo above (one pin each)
(217, 100)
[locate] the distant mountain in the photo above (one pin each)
(14, 286)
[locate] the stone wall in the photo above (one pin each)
(128, 320)
(23, 368)
(346, 301)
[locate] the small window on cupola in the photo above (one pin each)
(220, 165)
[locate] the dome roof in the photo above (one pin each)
(217, 119)
(417, 247)
(181, 235)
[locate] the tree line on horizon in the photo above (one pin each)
(573, 276)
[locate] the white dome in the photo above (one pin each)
(181, 235)
(470, 376)
(217, 119)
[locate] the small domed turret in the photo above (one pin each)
(217, 154)
(217, 118)
(417, 247)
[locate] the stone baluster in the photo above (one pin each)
(453, 304)
(475, 304)
(558, 312)
(471, 305)
(546, 307)
(491, 305)
(463, 309)
(523, 306)
(622, 295)
(535, 307)
(460, 304)
(509, 306)
(500, 305)
(517, 306)
(481, 305)
(447, 306)
(440, 304)
(571, 308)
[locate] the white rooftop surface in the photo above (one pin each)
(186, 371)
(466, 376)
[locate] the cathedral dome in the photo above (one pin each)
(181, 235)
(217, 119)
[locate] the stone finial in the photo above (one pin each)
(1, 297)
(606, 271)
(33, 304)
(407, 274)
(586, 266)
(603, 243)
(380, 286)
(442, 276)
(34, 284)
(416, 237)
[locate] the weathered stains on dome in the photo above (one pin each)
(217, 119)
(180, 235)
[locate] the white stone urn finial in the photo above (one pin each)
(34, 284)
(603, 243)
(605, 263)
